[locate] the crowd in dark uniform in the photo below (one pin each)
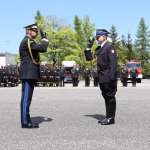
(49, 76)
(55, 76)
(124, 75)
(9, 76)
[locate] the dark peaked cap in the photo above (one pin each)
(32, 27)
(102, 32)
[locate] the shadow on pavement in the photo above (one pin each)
(96, 116)
(40, 119)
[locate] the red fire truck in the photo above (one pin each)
(138, 66)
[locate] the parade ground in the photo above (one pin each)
(68, 119)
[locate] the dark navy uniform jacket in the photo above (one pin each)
(29, 70)
(87, 73)
(61, 73)
(106, 62)
(124, 73)
(134, 73)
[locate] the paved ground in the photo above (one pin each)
(68, 119)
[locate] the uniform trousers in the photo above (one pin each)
(109, 90)
(124, 81)
(75, 81)
(87, 81)
(95, 81)
(26, 98)
(134, 81)
(61, 81)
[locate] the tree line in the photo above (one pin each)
(68, 42)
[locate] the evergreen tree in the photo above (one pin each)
(83, 31)
(119, 45)
(121, 51)
(129, 46)
(38, 16)
(142, 45)
(114, 36)
(142, 37)
(78, 29)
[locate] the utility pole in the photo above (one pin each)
(6, 44)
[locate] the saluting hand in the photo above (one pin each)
(90, 42)
(43, 34)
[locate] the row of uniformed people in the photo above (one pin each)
(50, 76)
(55, 77)
(124, 75)
(9, 76)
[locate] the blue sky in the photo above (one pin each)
(124, 14)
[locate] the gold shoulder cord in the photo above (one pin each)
(33, 60)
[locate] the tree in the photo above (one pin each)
(130, 53)
(83, 31)
(142, 41)
(114, 36)
(142, 45)
(62, 41)
(121, 51)
(38, 16)
(119, 45)
(78, 30)
(17, 58)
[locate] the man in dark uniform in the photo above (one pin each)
(56, 76)
(107, 72)
(1, 79)
(49, 76)
(124, 75)
(87, 75)
(75, 76)
(61, 77)
(95, 75)
(133, 74)
(4, 77)
(30, 70)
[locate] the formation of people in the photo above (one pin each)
(55, 76)
(49, 76)
(9, 76)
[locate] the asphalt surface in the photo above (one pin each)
(68, 119)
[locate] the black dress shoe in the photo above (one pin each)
(30, 125)
(100, 121)
(108, 121)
